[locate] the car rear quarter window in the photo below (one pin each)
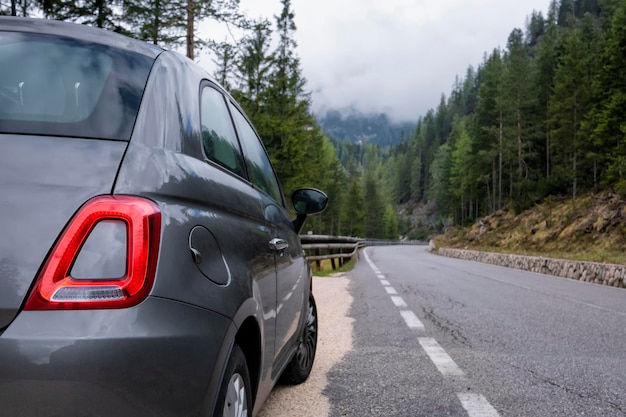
(218, 134)
(62, 86)
(259, 167)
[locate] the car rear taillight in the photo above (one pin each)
(105, 258)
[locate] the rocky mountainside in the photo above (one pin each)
(591, 228)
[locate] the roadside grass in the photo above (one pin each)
(586, 253)
(326, 268)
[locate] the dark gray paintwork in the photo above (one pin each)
(165, 356)
(43, 181)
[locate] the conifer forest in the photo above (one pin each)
(543, 117)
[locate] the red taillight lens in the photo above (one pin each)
(55, 288)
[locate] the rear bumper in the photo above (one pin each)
(156, 359)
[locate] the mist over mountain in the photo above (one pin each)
(357, 127)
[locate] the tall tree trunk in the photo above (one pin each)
(574, 176)
(157, 23)
(520, 166)
(500, 163)
(548, 173)
(574, 180)
(101, 18)
(190, 29)
(494, 183)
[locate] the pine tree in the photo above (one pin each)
(572, 100)
(375, 207)
(253, 67)
(536, 29)
(439, 187)
(519, 129)
(223, 11)
(100, 13)
(566, 13)
(22, 8)
(607, 116)
(390, 223)
(156, 21)
(225, 61)
(546, 63)
(490, 124)
(354, 215)
(285, 122)
(463, 180)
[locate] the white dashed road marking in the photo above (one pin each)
(391, 291)
(411, 320)
(440, 358)
(398, 301)
(476, 405)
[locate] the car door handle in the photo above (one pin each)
(278, 244)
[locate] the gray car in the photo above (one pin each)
(149, 265)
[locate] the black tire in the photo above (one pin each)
(235, 397)
(299, 368)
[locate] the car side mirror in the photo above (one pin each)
(307, 201)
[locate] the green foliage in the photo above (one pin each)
(607, 123)
(543, 117)
(156, 21)
(100, 13)
(570, 103)
(390, 223)
(354, 215)
(440, 187)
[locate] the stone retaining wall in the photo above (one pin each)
(599, 273)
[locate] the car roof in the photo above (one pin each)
(78, 31)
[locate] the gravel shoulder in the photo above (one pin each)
(335, 338)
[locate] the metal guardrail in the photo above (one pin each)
(340, 249)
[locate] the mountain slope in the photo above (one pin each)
(591, 228)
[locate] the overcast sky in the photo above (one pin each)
(394, 56)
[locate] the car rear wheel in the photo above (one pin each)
(300, 366)
(235, 399)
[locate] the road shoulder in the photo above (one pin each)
(335, 339)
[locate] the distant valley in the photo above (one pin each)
(358, 127)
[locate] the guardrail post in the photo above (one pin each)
(318, 262)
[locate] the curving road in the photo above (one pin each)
(436, 336)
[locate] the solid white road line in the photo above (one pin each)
(440, 358)
(477, 406)
(411, 320)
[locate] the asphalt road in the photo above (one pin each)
(435, 336)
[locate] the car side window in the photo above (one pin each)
(259, 167)
(218, 134)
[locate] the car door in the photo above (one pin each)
(291, 278)
(249, 234)
(290, 271)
